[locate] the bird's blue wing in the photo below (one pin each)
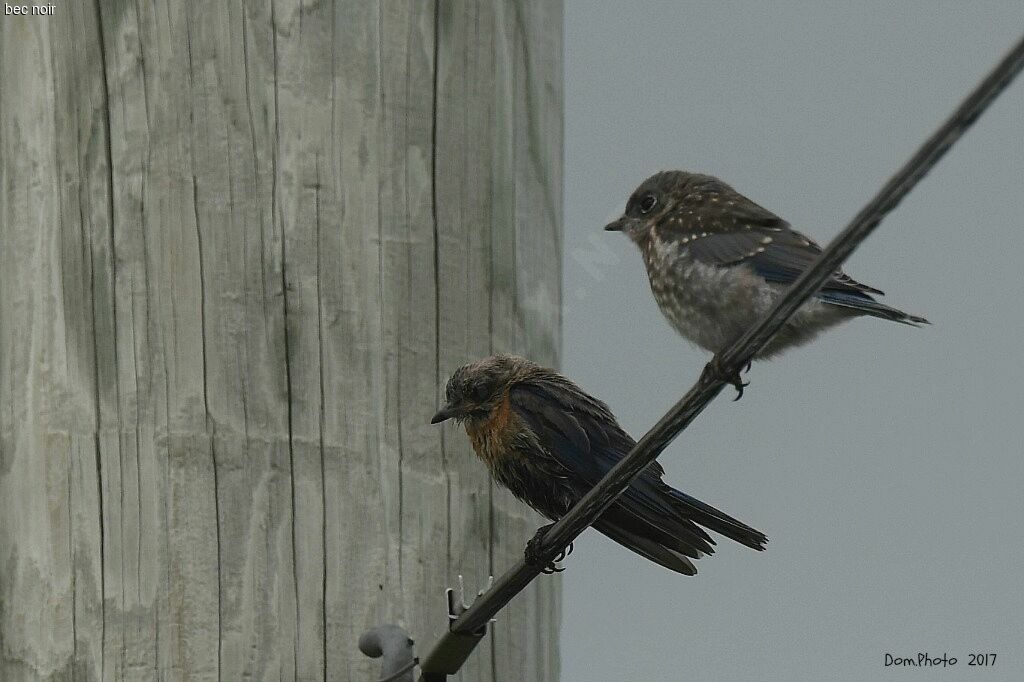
(583, 437)
(779, 256)
(651, 518)
(578, 431)
(721, 227)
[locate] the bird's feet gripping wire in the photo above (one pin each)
(534, 556)
(716, 372)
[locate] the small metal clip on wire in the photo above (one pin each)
(447, 660)
(396, 647)
(456, 607)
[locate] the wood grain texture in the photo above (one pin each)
(242, 246)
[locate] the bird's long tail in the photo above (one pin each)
(869, 306)
(718, 521)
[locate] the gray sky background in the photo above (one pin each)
(884, 462)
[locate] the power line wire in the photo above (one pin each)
(454, 647)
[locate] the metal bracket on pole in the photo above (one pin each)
(437, 668)
(395, 646)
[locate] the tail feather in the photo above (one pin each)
(677, 534)
(669, 528)
(869, 306)
(718, 521)
(650, 549)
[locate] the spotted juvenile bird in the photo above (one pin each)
(717, 262)
(549, 442)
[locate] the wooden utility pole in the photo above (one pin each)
(242, 246)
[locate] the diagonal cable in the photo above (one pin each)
(455, 646)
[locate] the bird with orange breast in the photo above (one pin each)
(549, 442)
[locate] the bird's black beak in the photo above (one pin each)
(616, 225)
(445, 413)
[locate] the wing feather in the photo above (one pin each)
(582, 436)
(720, 226)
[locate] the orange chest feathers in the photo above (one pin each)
(493, 436)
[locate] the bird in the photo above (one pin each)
(548, 442)
(717, 262)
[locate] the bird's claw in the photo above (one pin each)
(733, 379)
(738, 384)
(534, 557)
(553, 567)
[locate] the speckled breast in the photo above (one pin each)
(711, 306)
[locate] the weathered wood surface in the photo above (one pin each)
(242, 245)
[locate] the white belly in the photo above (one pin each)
(713, 306)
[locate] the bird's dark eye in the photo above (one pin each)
(648, 203)
(476, 392)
